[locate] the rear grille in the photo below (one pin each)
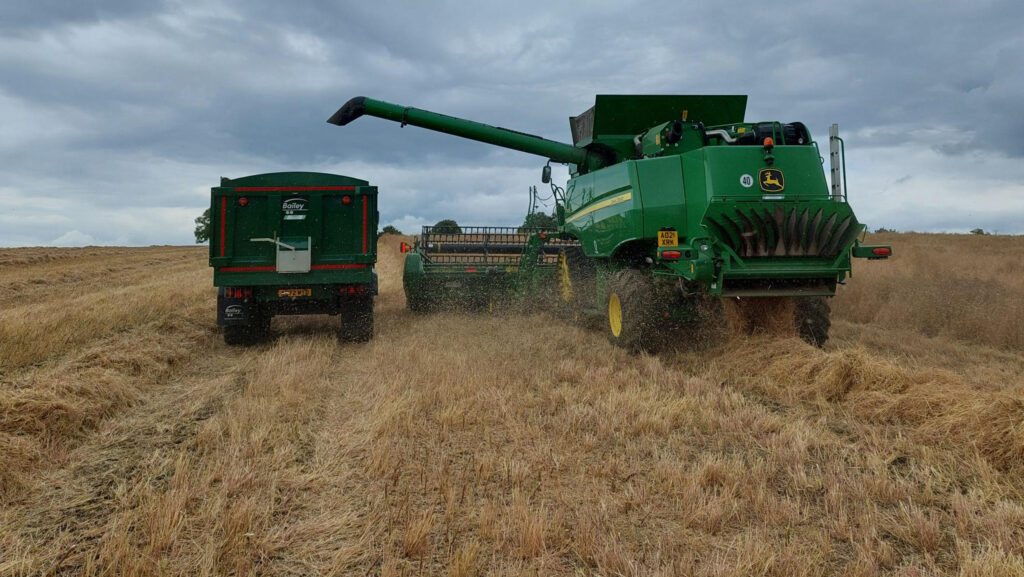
(782, 231)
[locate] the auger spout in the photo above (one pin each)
(555, 151)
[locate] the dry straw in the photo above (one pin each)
(134, 443)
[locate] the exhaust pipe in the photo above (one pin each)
(835, 161)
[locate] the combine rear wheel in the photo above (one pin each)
(632, 317)
(357, 320)
(812, 319)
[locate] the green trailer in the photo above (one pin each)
(480, 267)
(676, 200)
(292, 243)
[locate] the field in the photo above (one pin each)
(133, 442)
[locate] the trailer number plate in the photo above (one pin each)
(668, 238)
(294, 292)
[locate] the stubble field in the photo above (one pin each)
(134, 442)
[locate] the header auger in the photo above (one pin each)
(675, 198)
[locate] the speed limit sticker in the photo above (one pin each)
(747, 181)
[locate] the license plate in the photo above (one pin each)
(668, 238)
(294, 292)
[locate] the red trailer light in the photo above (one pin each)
(671, 254)
(470, 270)
(404, 247)
(346, 199)
(243, 201)
(883, 251)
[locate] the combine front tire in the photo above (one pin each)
(812, 319)
(357, 320)
(632, 316)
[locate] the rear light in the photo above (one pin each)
(671, 254)
(346, 199)
(882, 251)
(238, 293)
(243, 201)
(404, 247)
(470, 270)
(543, 235)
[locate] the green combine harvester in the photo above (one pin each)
(293, 243)
(676, 199)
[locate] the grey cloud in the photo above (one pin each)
(27, 17)
(113, 109)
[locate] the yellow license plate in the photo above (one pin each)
(668, 238)
(294, 292)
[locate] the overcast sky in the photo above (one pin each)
(118, 116)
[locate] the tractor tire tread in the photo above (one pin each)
(638, 301)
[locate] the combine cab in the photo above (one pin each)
(477, 267)
(293, 243)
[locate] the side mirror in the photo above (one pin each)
(545, 174)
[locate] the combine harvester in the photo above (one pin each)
(675, 199)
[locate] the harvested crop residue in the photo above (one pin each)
(135, 443)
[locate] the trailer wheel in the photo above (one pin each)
(811, 317)
(577, 282)
(238, 335)
(248, 334)
(632, 312)
(357, 320)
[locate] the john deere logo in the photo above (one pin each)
(771, 180)
(294, 209)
